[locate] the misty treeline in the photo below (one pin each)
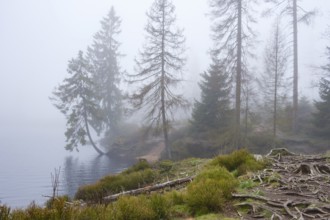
(237, 103)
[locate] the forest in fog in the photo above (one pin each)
(247, 99)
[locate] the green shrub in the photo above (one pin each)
(36, 212)
(240, 161)
(175, 197)
(58, 208)
(115, 184)
(210, 190)
(139, 166)
(96, 212)
(160, 205)
(137, 208)
(165, 166)
(4, 212)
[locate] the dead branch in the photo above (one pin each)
(149, 189)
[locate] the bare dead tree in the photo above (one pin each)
(232, 34)
(297, 14)
(55, 178)
(158, 67)
(272, 82)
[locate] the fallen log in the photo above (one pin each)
(149, 189)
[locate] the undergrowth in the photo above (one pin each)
(137, 176)
(209, 192)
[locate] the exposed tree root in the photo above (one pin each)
(294, 187)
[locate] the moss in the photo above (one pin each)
(210, 190)
(239, 162)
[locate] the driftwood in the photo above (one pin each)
(149, 189)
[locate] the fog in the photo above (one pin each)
(39, 37)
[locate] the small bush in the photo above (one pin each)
(240, 161)
(160, 205)
(210, 190)
(4, 212)
(137, 208)
(96, 212)
(175, 197)
(165, 166)
(36, 212)
(139, 166)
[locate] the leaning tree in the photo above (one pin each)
(159, 69)
(77, 100)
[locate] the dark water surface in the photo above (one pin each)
(29, 156)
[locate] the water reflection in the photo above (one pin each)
(78, 172)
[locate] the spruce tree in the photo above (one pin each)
(159, 67)
(213, 111)
(104, 56)
(322, 115)
(76, 99)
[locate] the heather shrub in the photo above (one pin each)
(210, 190)
(240, 161)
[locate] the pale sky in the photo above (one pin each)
(38, 37)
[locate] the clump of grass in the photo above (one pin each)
(139, 166)
(239, 162)
(210, 190)
(115, 184)
(165, 166)
(133, 208)
(4, 212)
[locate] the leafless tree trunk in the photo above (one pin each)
(272, 82)
(295, 67)
(291, 9)
(238, 75)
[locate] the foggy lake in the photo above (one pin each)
(28, 159)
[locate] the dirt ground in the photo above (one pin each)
(154, 154)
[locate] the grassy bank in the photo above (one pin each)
(208, 196)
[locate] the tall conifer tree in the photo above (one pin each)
(213, 111)
(159, 68)
(76, 99)
(104, 55)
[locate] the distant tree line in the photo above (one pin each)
(93, 103)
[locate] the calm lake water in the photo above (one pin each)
(28, 156)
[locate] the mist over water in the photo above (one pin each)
(28, 156)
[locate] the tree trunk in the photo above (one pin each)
(163, 107)
(276, 79)
(238, 75)
(295, 68)
(90, 137)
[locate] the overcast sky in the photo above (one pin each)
(38, 37)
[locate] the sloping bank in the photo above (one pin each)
(207, 194)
